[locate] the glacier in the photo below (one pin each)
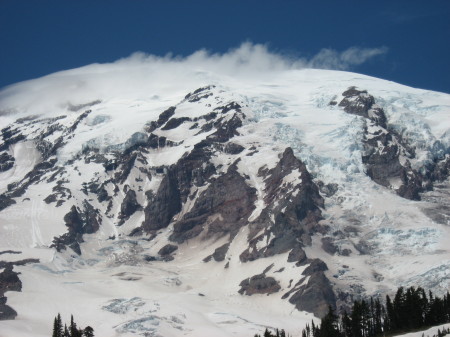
(120, 283)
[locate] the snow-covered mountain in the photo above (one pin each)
(190, 203)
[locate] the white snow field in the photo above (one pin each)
(118, 294)
(427, 333)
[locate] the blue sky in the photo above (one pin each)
(412, 37)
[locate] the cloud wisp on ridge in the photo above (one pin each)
(143, 75)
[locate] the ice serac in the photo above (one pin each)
(386, 155)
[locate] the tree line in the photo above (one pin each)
(70, 331)
(411, 309)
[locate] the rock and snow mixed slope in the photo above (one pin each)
(212, 205)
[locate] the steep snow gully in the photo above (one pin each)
(218, 207)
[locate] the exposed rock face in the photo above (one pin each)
(163, 118)
(329, 246)
(386, 156)
(10, 136)
(227, 203)
(233, 148)
(315, 296)
(6, 161)
(129, 206)
(78, 223)
(220, 253)
(294, 205)
(163, 206)
(6, 312)
(174, 123)
(315, 266)
(5, 201)
(166, 252)
(327, 189)
(199, 94)
(298, 255)
(9, 281)
(441, 169)
(359, 102)
(259, 284)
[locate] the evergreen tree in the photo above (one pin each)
(329, 325)
(88, 332)
(410, 310)
(400, 314)
(378, 324)
(390, 320)
(356, 319)
(66, 331)
(73, 330)
(313, 329)
(347, 325)
(57, 327)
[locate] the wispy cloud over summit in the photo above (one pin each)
(249, 56)
(141, 75)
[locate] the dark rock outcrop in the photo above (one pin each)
(316, 296)
(233, 148)
(162, 119)
(163, 205)
(174, 123)
(5, 201)
(219, 253)
(441, 169)
(129, 206)
(6, 312)
(385, 152)
(166, 252)
(293, 209)
(359, 102)
(329, 246)
(167, 249)
(6, 162)
(9, 281)
(199, 94)
(10, 137)
(298, 255)
(227, 203)
(259, 284)
(327, 189)
(78, 223)
(316, 265)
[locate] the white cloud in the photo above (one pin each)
(142, 75)
(331, 59)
